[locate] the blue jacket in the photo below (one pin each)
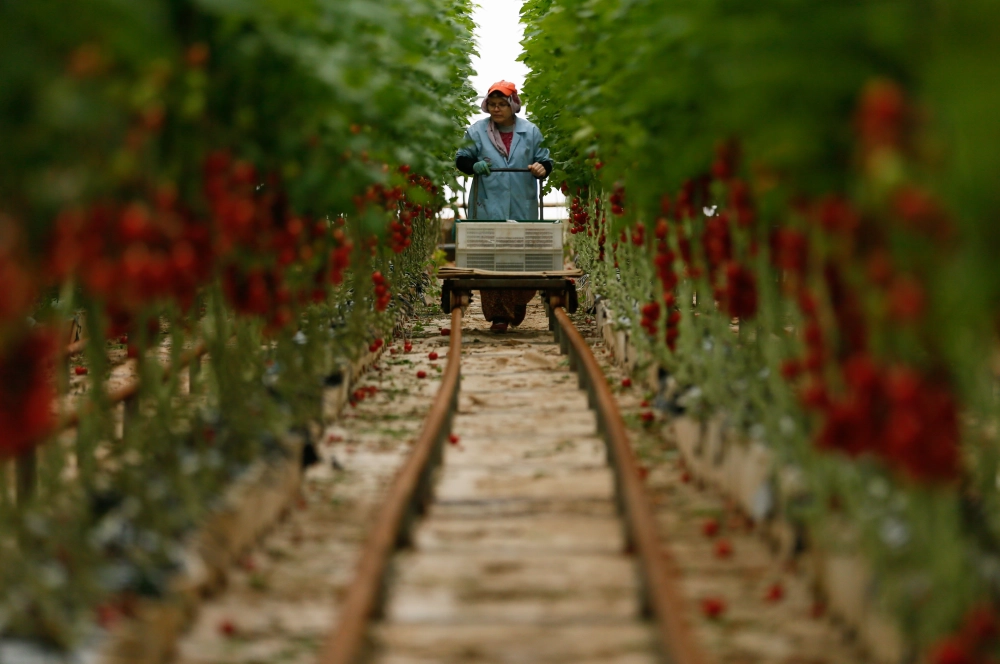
(505, 195)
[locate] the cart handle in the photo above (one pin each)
(541, 206)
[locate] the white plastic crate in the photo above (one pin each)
(509, 247)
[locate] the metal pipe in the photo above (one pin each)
(463, 206)
(128, 390)
(363, 600)
(26, 467)
(664, 594)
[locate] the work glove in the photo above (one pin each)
(481, 168)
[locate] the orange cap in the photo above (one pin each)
(506, 87)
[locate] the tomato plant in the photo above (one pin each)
(184, 171)
(785, 203)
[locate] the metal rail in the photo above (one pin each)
(26, 465)
(408, 497)
(131, 388)
(412, 488)
(662, 598)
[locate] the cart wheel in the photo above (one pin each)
(446, 298)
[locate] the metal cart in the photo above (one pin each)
(540, 267)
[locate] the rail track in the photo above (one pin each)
(484, 551)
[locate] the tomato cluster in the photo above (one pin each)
(855, 227)
(664, 262)
(258, 240)
(579, 216)
(895, 413)
(973, 642)
(383, 296)
(26, 392)
(617, 199)
(650, 320)
(20, 286)
(716, 240)
(739, 299)
(129, 255)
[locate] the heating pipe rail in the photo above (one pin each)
(411, 493)
(662, 597)
(26, 465)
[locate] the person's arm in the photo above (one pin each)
(465, 163)
(542, 155)
(467, 155)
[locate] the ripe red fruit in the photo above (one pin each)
(723, 549)
(647, 416)
(421, 374)
(713, 607)
(407, 348)
(952, 650)
(710, 528)
(643, 472)
(445, 332)
(453, 439)
(775, 593)
(227, 628)
(813, 362)
(981, 624)
(644, 403)
(107, 615)
(80, 371)
(815, 396)
(686, 477)
(626, 382)
(807, 303)
(432, 355)
(906, 299)
(790, 369)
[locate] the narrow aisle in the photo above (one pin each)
(521, 556)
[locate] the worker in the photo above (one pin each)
(504, 140)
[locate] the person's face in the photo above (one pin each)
(499, 110)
